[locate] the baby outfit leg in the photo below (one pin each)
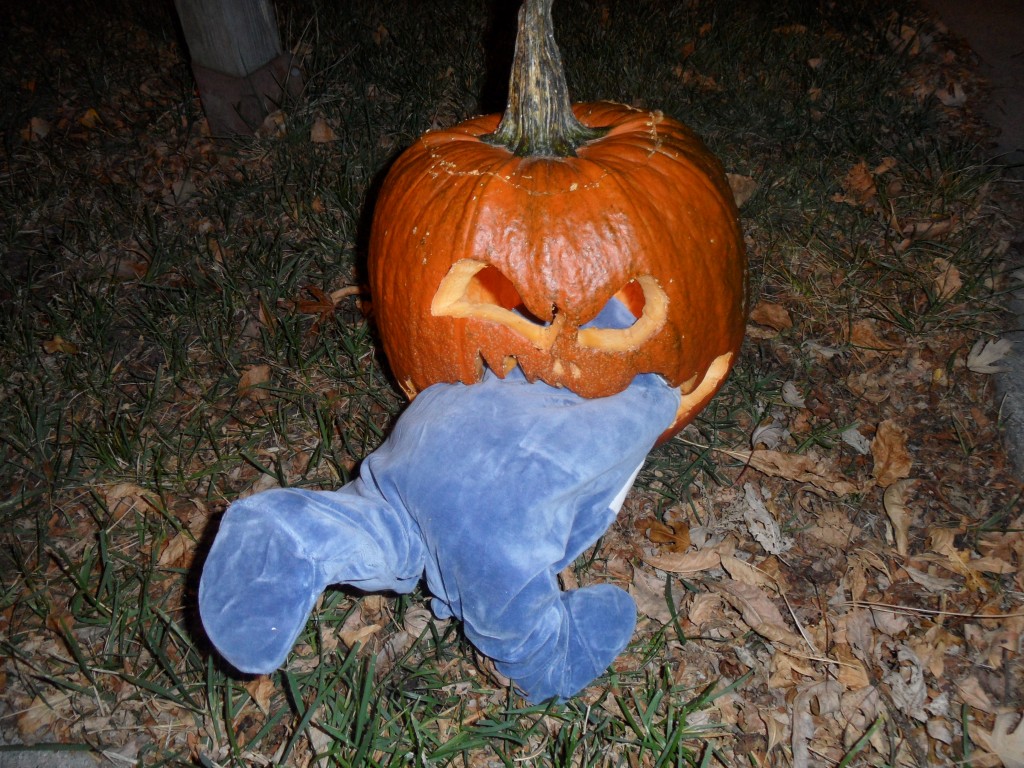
(277, 551)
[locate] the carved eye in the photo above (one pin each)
(477, 290)
(647, 302)
(474, 289)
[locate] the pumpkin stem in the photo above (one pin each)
(539, 120)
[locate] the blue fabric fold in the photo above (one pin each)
(488, 491)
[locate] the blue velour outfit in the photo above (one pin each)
(488, 490)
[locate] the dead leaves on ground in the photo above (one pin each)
(854, 576)
(889, 449)
(853, 664)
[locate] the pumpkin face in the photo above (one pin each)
(479, 257)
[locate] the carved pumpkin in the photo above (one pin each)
(494, 251)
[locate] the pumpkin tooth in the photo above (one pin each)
(408, 388)
(694, 400)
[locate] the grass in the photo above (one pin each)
(149, 270)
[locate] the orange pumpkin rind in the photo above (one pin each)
(482, 258)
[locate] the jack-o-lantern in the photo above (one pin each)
(495, 245)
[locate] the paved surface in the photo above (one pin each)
(51, 758)
(995, 30)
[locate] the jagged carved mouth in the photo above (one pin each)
(473, 289)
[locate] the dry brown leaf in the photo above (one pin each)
(856, 580)
(859, 628)
(985, 355)
(758, 612)
(817, 699)
(37, 129)
(931, 228)
(775, 727)
(260, 690)
(674, 538)
(1007, 744)
(265, 317)
(743, 187)
(858, 187)
(952, 95)
(850, 671)
(705, 608)
(417, 620)
(745, 573)
(771, 315)
(648, 591)
(894, 501)
(761, 524)
(391, 652)
(89, 118)
(321, 132)
(40, 715)
(61, 345)
(177, 552)
(973, 694)
(889, 449)
(251, 382)
(942, 541)
(802, 469)
(834, 528)
(942, 544)
(890, 622)
(123, 498)
(686, 562)
(990, 565)
(905, 680)
(787, 671)
(948, 281)
(887, 164)
(864, 336)
(932, 648)
(217, 250)
(929, 581)
(357, 634)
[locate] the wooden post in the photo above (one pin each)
(240, 69)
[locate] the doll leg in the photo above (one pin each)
(586, 628)
(275, 553)
(549, 642)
